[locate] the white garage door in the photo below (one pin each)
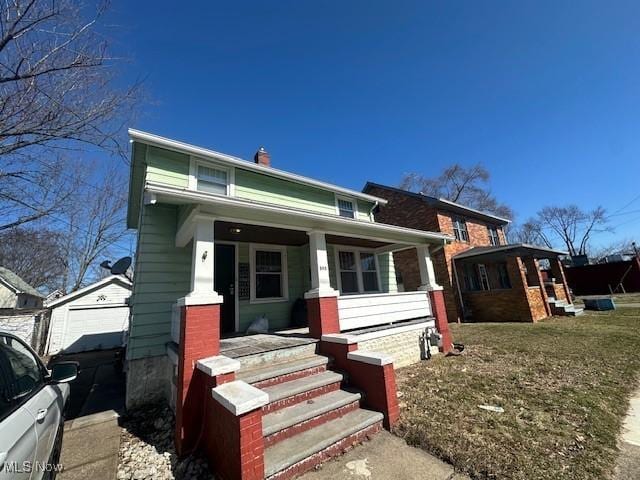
(95, 328)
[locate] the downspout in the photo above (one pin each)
(375, 205)
(455, 273)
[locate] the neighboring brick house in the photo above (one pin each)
(484, 277)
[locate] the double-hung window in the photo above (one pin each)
(494, 238)
(460, 229)
(346, 207)
(358, 272)
(269, 273)
(210, 178)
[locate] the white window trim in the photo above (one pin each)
(252, 271)
(347, 199)
(194, 162)
(356, 251)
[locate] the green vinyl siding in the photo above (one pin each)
(165, 166)
(263, 188)
(278, 313)
(364, 208)
(387, 273)
(162, 275)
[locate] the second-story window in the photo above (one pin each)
(494, 238)
(212, 180)
(346, 208)
(460, 229)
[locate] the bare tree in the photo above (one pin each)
(94, 225)
(623, 247)
(465, 185)
(57, 93)
(530, 232)
(36, 255)
(572, 226)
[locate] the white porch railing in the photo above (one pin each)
(359, 311)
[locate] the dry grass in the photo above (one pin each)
(564, 385)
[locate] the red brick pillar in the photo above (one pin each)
(199, 338)
(439, 311)
(534, 277)
(557, 271)
(234, 442)
(370, 372)
(322, 314)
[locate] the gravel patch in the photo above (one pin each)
(147, 451)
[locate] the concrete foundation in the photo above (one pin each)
(406, 345)
(149, 380)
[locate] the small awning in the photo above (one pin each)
(513, 250)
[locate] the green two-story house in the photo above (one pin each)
(223, 242)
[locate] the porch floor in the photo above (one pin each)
(244, 345)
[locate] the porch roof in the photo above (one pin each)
(233, 209)
(515, 249)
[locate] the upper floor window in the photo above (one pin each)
(494, 238)
(460, 229)
(210, 177)
(357, 271)
(346, 207)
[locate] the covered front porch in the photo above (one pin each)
(506, 283)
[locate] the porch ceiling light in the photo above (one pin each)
(235, 230)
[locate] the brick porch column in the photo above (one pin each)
(436, 296)
(234, 441)
(322, 299)
(557, 271)
(199, 337)
(534, 277)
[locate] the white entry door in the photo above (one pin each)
(95, 328)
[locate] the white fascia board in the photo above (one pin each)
(89, 288)
(371, 228)
(188, 149)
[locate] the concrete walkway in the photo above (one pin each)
(91, 441)
(628, 465)
(385, 456)
(90, 447)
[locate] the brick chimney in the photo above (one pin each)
(262, 157)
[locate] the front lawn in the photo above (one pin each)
(563, 383)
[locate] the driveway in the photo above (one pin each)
(92, 435)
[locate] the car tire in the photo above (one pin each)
(55, 454)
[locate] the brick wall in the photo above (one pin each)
(558, 289)
(412, 212)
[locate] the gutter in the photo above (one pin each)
(193, 196)
(162, 142)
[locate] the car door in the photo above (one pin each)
(18, 438)
(41, 399)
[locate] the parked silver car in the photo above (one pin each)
(32, 401)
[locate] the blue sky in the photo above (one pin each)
(545, 94)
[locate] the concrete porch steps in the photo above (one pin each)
(564, 309)
(297, 418)
(272, 373)
(282, 395)
(305, 450)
